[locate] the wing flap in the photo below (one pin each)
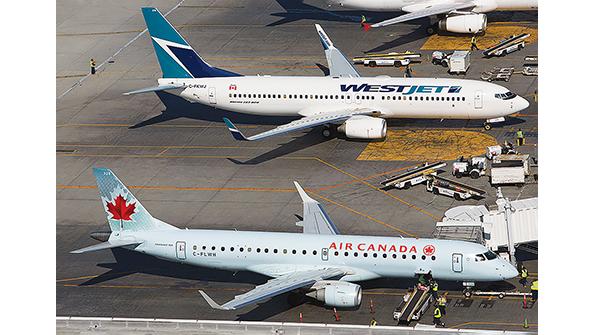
(428, 10)
(275, 287)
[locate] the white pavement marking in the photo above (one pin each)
(78, 83)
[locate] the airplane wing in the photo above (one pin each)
(275, 287)
(315, 220)
(309, 121)
(417, 12)
(338, 64)
(154, 89)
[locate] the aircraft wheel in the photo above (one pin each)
(372, 64)
(326, 132)
(431, 30)
(487, 126)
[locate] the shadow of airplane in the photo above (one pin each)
(298, 10)
(129, 262)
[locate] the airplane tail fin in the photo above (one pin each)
(365, 24)
(176, 57)
(124, 212)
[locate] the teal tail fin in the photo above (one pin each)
(176, 57)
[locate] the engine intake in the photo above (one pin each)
(364, 127)
(337, 293)
(464, 24)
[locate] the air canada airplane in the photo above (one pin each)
(455, 16)
(320, 262)
(342, 101)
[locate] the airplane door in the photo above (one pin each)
(457, 262)
(181, 250)
(324, 254)
(212, 95)
(478, 101)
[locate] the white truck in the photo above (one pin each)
(509, 169)
(457, 62)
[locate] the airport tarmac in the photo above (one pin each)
(182, 163)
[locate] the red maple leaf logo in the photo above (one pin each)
(119, 209)
(429, 250)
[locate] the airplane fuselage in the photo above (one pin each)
(363, 257)
(390, 97)
(481, 6)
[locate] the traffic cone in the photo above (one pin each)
(301, 317)
(525, 323)
(337, 317)
(525, 301)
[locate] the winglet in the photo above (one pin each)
(324, 39)
(235, 132)
(211, 302)
(305, 197)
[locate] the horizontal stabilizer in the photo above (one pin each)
(154, 89)
(106, 245)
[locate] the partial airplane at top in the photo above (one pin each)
(455, 16)
(321, 263)
(343, 101)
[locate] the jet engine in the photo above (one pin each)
(337, 293)
(364, 127)
(465, 24)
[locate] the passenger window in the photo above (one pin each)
(301, 96)
(249, 249)
(259, 96)
(404, 256)
(314, 252)
(375, 255)
(383, 255)
(463, 98)
(326, 97)
(290, 96)
(433, 258)
(394, 255)
(266, 251)
(413, 256)
(304, 252)
(231, 249)
(415, 98)
(423, 257)
(204, 247)
(242, 249)
(222, 248)
(274, 251)
(336, 253)
(257, 249)
(346, 254)
(284, 96)
(355, 254)
(294, 251)
(365, 254)
(213, 248)
(284, 251)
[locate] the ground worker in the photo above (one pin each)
(534, 289)
(438, 317)
(520, 138)
(408, 72)
(442, 304)
(373, 322)
(474, 43)
(92, 64)
(434, 287)
(524, 275)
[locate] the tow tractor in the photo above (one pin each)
(507, 45)
(506, 148)
(415, 302)
(414, 176)
(388, 59)
(451, 188)
(474, 167)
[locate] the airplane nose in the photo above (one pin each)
(509, 271)
(521, 104)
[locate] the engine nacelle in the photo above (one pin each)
(465, 24)
(364, 127)
(337, 293)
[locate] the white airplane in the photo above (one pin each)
(343, 101)
(456, 16)
(320, 262)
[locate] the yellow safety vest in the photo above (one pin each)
(524, 273)
(534, 286)
(435, 287)
(442, 301)
(437, 313)
(519, 134)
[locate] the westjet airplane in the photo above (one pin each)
(343, 101)
(321, 263)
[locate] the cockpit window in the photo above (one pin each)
(489, 255)
(505, 96)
